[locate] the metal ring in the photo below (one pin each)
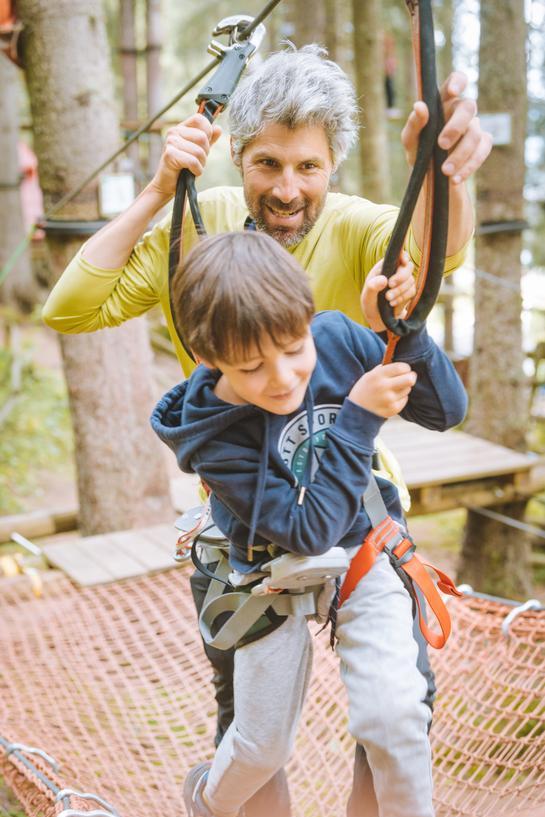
(32, 750)
(531, 604)
(86, 796)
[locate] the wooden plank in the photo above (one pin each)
(38, 523)
(118, 563)
(428, 457)
(110, 557)
(78, 563)
(164, 537)
(144, 550)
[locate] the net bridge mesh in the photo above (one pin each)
(111, 681)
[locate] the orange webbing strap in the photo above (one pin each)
(402, 555)
(390, 348)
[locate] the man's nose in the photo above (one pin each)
(285, 188)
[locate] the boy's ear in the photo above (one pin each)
(207, 363)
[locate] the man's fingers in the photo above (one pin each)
(466, 159)
(200, 152)
(216, 133)
(409, 135)
(454, 85)
(463, 112)
(178, 159)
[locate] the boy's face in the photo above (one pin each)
(285, 174)
(274, 378)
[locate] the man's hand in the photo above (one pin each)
(462, 136)
(401, 291)
(385, 389)
(186, 146)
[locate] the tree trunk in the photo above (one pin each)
(331, 10)
(306, 22)
(121, 477)
(153, 73)
(17, 289)
(129, 56)
(369, 66)
(495, 557)
(445, 22)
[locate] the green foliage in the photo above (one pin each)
(9, 807)
(35, 434)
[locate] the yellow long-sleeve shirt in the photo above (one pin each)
(350, 236)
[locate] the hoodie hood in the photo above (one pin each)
(190, 415)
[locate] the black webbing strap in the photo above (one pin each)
(428, 161)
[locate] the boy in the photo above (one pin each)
(280, 421)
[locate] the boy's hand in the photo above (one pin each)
(401, 291)
(186, 146)
(385, 389)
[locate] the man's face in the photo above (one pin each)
(285, 175)
(274, 377)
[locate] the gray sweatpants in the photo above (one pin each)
(387, 714)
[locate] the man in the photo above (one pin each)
(292, 122)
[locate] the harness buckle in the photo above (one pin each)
(398, 561)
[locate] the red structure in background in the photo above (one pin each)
(31, 194)
(10, 28)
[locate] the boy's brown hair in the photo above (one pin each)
(234, 288)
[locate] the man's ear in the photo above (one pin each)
(236, 161)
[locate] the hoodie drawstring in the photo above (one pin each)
(262, 472)
(260, 486)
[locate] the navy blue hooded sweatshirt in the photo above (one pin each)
(255, 462)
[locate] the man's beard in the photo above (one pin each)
(284, 235)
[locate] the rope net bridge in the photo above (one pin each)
(111, 682)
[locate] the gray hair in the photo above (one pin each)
(295, 87)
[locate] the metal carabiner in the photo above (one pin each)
(234, 26)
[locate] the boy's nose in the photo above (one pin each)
(281, 379)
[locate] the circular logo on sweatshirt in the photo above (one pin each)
(294, 443)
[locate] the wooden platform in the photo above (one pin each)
(114, 556)
(443, 471)
(451, 469)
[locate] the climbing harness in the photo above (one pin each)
(258, 604)
(389, 537)
(426, 172)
